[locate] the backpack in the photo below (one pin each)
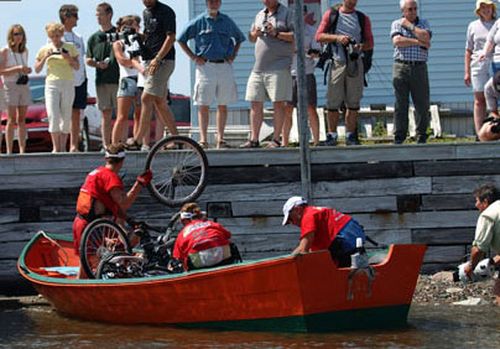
(367, 55)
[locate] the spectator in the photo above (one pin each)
(411, 37)
(100, 56)
(311, 48)
(490, 130)
(349, 33)
(202, 243)
(69, 18)
(492, 44)
(270, 79)
(15, 70)
(62, 60)
(323, 228)
(127, 55)
(2, 107)
(217, 42)
(477, 72)
(159, 57)
(487, 235)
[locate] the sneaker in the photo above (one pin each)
(331, 140)
(250, 144)
(352, 139)
(145, 147)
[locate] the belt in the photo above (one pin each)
(410, 62)
(216, 61)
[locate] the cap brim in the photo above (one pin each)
(285, 219)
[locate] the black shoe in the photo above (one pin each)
(250, 144)
(421, 139)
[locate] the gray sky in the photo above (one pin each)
(33, 15)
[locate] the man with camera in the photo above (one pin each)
(100, 56)
(487, 235)
(347, 32)
(159, 56)
(411, 37)
(490, 131)
(69, 18)
(270, 79)
(217, 41)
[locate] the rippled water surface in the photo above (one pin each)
(429, 327)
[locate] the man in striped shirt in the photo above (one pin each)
(411, 37)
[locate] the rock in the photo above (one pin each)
(453, 290)
(443, 276)
(470, 301)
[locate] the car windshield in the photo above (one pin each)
(37, 87)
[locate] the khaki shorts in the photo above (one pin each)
(274, 86)
(342, 88)
(106, 96)
(157, 84)
(214, 81)
(17, 95)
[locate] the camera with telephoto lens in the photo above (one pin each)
(324, 56)
(352, 50)
(130, 37)
(22, 79)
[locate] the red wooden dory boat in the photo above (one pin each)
(301, 294)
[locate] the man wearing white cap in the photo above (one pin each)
(323, 228)
(103, 194)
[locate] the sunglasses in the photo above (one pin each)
(17, 34)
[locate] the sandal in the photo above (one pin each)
(250, 144)
(273, 144)
(131, 144)
(223, 145)
(204, 145)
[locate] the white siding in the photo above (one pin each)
(448, 20)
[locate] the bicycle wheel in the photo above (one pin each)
(101, 238)
(179, 166)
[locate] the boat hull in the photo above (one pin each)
(305, 293)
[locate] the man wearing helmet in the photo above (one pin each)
(202, 243)
(103, 194)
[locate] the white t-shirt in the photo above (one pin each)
(477, 33)
(77, 41)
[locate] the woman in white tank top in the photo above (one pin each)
(15, 70)
(126, 54)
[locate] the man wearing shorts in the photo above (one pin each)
(159, 57)
(100, 56)
(69, 18)
(270, 79)
(217, 41)
(346, 75)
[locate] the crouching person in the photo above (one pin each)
(203, 243)
(323, 228)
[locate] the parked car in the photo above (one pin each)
(37, 123)
(38, 137)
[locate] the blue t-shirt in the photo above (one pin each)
(215, 38)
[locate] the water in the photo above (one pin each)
(443, 326)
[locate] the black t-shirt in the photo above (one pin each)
(99, 49)
(159, 21)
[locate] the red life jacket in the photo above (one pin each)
(98, 186)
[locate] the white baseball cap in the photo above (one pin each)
(290, 204)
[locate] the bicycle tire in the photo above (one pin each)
(178, 178)
(92, 248)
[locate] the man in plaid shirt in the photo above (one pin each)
(411, 37)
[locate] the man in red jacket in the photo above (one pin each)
(323, 228)
(103, 194)
(202, 243)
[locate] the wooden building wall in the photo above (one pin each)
(405, 194)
